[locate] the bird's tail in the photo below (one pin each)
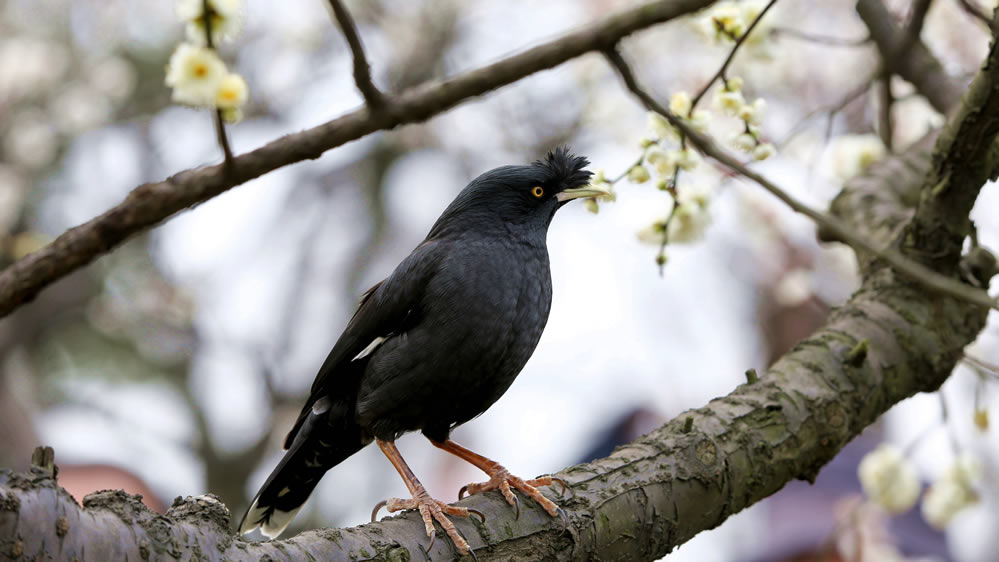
(321, 439)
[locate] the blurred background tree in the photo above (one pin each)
(175, 364)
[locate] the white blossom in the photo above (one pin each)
(638, 174)
(654, 234)
(700, 120)
(794, 288)
(889, 479)
(232, 92)
(851, 154)
(763, 151)
(688, 193)
(687, 159)
(680, 103)
(660, 127)
(730, 102)
(663, 161)
(953, 492)
(688, 223)
(195, 73)
(744, 141)
(225, 18)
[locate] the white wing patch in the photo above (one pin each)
(371, 348)
(272, 528)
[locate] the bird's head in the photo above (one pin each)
(519, 197)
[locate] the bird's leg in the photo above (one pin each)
(501, 479)
(430, 509)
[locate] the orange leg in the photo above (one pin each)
(430, 509)
(501, 479)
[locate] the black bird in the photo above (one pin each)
(435, 344)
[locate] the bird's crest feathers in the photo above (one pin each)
(562, 165)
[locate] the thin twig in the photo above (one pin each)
(820, 39)
(362, 70)
(829, 110)
(917, 17)
(731, 55)
(917, 272)
(984, 367)
(220, 134)
(885, 127)
(917, 64)
(975, 12)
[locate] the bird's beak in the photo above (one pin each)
(577, 192)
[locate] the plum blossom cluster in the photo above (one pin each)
(890, 480)
(729, 100)
(727, 22)
(953, 492)
(198, 77)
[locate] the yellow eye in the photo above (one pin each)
(537, 191)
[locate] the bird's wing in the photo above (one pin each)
(386, 309)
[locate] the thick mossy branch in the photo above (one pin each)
(965, 157)
(639, 503)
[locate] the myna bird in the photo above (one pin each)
(435, 344)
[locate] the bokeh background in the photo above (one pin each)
(175, 365)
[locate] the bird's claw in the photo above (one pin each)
(562, 483)
(565, 520)
(503, 481)
(433, 510)
(374, 512)
(482, 516)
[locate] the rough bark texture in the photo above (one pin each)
(891, 340)
(151, 203)
(888, 342)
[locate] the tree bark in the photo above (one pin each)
(890, 341)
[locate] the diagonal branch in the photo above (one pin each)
(916, 64)
(362, 70)
(731, 55)
(890, 341)
(914, 270)
(151, 203)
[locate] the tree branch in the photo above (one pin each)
(151, 203)
(916, 64)
(965, 157)
(916, 271)
(888, 342)
(731, 55)
(362, 71)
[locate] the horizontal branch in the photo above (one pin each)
(151, 203)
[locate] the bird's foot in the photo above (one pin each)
(501, 479)
(431, 510)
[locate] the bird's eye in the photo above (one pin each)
(538, 191)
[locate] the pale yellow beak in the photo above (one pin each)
(577, 192)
